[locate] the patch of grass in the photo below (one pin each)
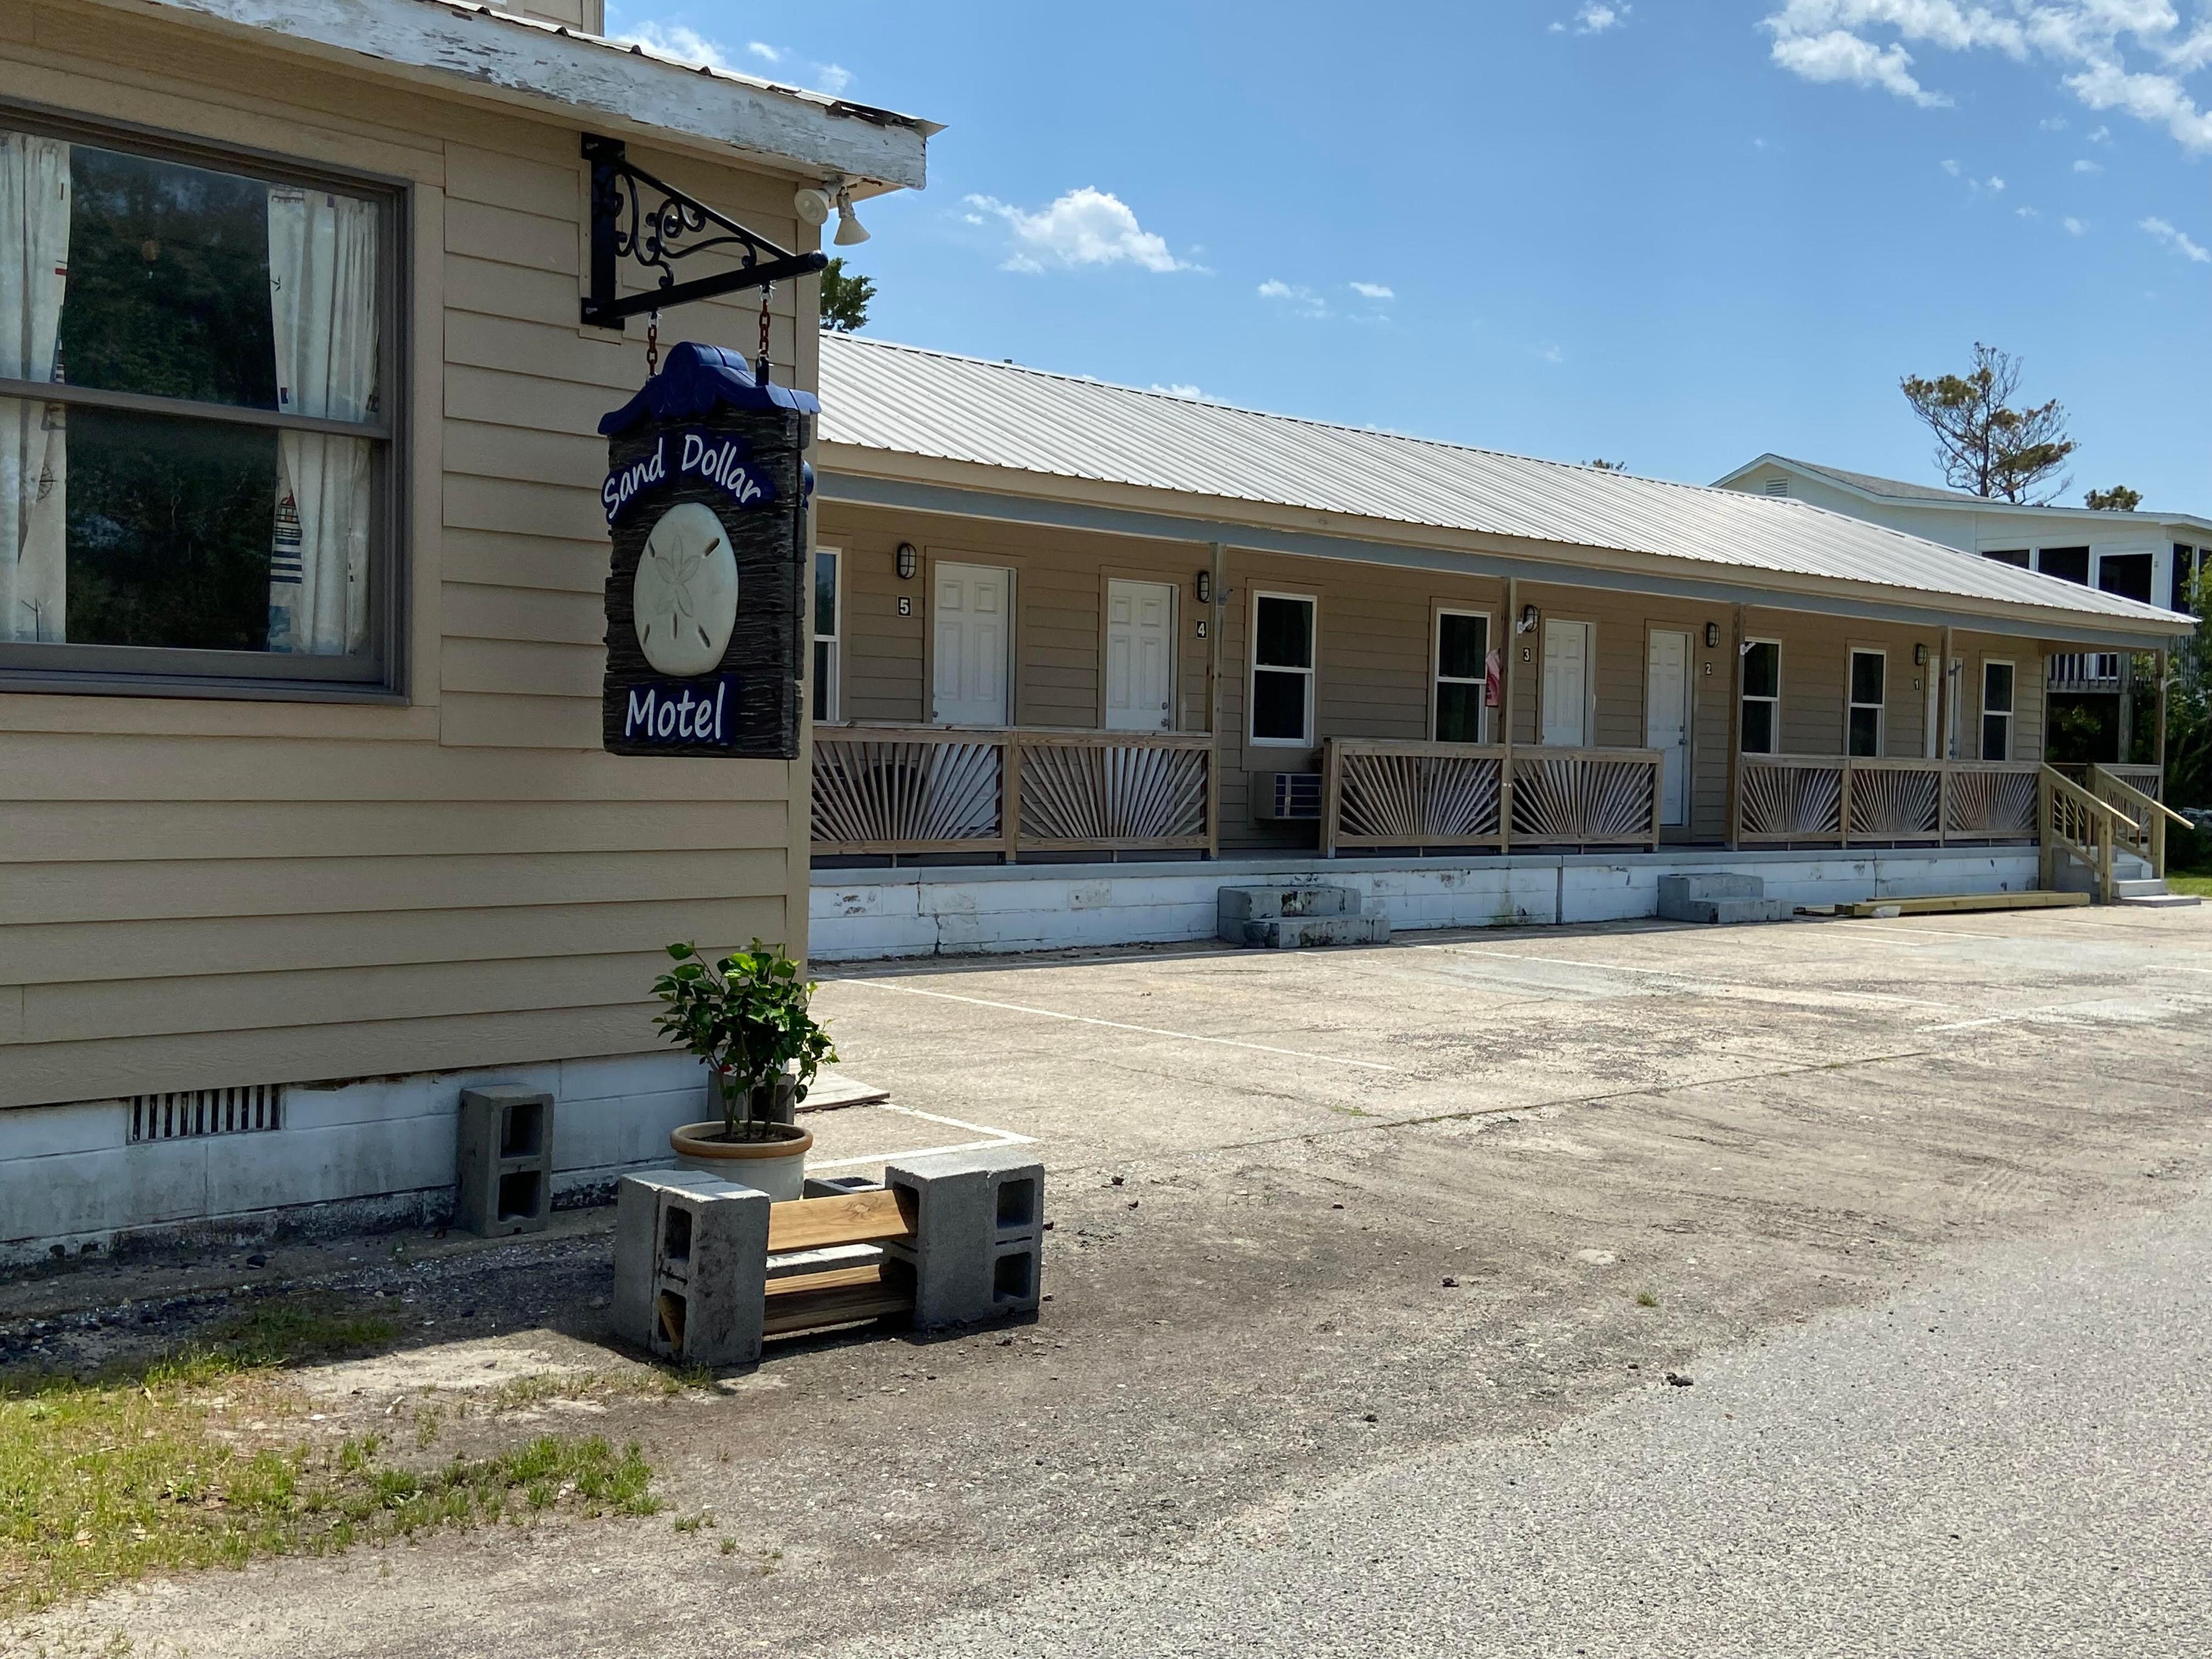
(2198, 884)
(1645, 1299)
(107, 1478)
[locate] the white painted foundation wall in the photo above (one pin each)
(346, 1155)
(859, 915)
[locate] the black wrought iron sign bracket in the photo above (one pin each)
(627, 222)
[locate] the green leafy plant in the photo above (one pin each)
(747, 1017)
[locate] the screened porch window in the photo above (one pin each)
(1462, 668)
(1282, 668)
(1869, 669)
(1762, 697)
(194, 446)
(1996, 710)
(829, 606)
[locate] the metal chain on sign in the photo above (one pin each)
(763, 327)
(651, 344)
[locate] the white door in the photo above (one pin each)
(1566, 685)
(1667, 718)
(1139, 656)
(973, 645)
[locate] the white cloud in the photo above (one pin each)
(1951, 168)
(1596, 18)
(1995, 184)
(1180, 389)
(2130, 56)
(2025, 213)
(761, 49)
(2075, 227)
(1371, 291)
(2178, 240)
(1301, 302)
(1839, 55)
(2051, 123)
(1085, 227)
(1552, 354)
(2085, 165)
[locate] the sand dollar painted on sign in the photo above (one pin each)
(684, 599)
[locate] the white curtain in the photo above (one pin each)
(35, 232)
(322, 284)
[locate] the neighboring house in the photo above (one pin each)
(1065, 620)
(305, 821)
(2152, 556)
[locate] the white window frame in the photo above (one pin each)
(1254, 667)
(1438, 678)
(2010, 716)
(1852, 705)
(831, 687)
(1744, 696)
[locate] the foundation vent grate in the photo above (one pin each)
(194, 1114)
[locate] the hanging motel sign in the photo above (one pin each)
(705, 501)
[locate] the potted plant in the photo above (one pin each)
(747, 1017)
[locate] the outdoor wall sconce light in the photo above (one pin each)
(1527, 624)
(1712, 637)
(1205, 587)
(1920, 656)
(906, 561)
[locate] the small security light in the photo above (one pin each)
(850, 230)
(1712, 637)
(906, 561)
(1528, 620)
(1920, 656)
(812, 206)
(1205, 587)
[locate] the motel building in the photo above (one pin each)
(389, 670)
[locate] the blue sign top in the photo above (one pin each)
(697, 381)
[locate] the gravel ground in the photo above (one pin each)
(2015, 1459)
(1325, 1223)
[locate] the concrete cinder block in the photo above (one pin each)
(506, 1160)
(1710, 884)
(1243, 904)
(710, 1304)
(978, 1234)
(1299, 932)
(637, 1244)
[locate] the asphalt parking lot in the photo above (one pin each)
(1318, 1217)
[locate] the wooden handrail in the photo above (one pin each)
(2147, 814)
(2054, 787)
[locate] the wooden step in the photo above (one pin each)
(840, 1296)
(1956, 902)
(810, 1223)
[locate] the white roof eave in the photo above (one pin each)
(464, 47)
(1771, 462)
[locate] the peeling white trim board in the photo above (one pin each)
(496, 55)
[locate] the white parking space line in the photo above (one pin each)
(1119, 1025)
(996, 1137)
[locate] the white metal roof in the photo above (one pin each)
(910, 401)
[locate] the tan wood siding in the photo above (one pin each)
(202, 894)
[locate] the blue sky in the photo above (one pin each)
(1672, 234)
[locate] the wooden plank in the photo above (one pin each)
(1960, 902)
(886, 1216)
(853, 1305)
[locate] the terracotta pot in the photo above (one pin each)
(775, 1165)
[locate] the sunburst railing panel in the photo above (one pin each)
(1990, 802)
(1897, 801)
(1393, 794)
(1794, 800)
(1585, 797)
(897, 793)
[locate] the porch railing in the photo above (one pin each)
(1384, 792)
(1843, 799)
(2083, 671)
(2139, 818)
(940, 789)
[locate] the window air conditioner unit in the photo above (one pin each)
(1287, 797)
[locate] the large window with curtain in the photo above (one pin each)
(196, 393)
